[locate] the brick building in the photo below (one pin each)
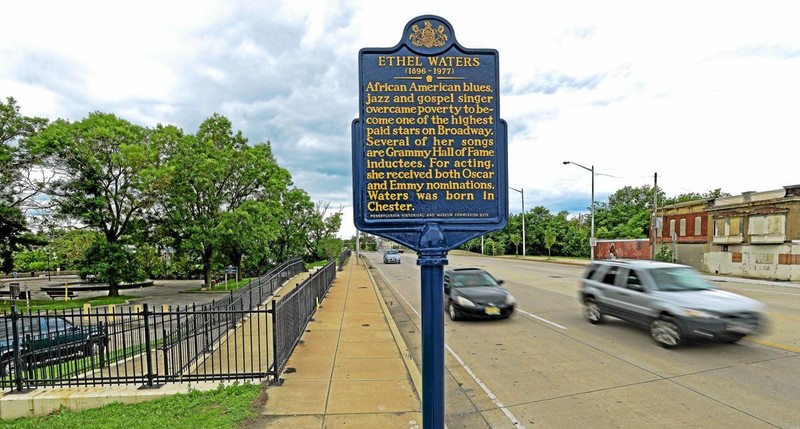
(755, 235)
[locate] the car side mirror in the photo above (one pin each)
(501, 282)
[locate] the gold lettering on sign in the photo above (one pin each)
(429, 141)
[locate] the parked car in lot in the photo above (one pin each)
(391, 256)
(474, 293)
(47, 340)
(674, 301)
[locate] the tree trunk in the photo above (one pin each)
(207, 253)
(113, 289)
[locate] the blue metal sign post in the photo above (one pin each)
(430, 164)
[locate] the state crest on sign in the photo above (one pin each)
(428, 36)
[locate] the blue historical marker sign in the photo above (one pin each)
(429, 147)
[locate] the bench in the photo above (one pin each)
(59, 293)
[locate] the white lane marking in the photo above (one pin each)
(485, 388)
(541, 319)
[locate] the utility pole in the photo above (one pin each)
(358, 246)
(592, 241)
(655, 216)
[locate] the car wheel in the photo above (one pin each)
(453, 312)
(592, 312)
(7, 366)
(666, 332)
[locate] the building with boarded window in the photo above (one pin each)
(754, 235)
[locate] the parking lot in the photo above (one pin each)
(162, 292)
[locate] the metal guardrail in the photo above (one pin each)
(291, 314)
(343, 258)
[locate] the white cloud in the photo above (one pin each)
(703, 93)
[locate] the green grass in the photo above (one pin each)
(60, 304)
(222, 287)
(225, 407)
(311, 265)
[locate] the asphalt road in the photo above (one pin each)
(162, 292)
(547, 367)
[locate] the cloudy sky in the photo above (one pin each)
(705, 94)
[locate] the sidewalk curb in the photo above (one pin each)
(413, 371)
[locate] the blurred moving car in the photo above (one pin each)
(391, 256)
(474, 293)
(674, 301)
(47, 340)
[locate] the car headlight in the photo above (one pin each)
(460, 300)
(700, 314)
(510, 300)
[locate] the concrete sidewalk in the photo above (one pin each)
(352, 368)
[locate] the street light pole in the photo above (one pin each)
(591, 239)
(522, 192)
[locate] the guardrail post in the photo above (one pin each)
(275, 349)
(146, 314)
(17, 359)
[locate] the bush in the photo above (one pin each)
(665, 254)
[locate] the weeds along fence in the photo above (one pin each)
(227, 339)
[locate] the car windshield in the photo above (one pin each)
(392, 252)
(679, 280)
(473, 280)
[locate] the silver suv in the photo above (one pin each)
(674, 301)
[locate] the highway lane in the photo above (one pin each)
(548, 367)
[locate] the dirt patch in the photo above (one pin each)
(259, 420)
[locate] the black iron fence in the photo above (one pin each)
(227, 339)
(291, 314)
(343, 258)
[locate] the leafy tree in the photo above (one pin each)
(104, 168)
(516, 239)
(536, 221)
(298, 213)
(148, 258)
(249, 230)
(320, 227)
(73, 245)
(17, 186)
(111, 263)
(575, 239)
(31, 261)
(329, 248)
(472, 245)
(693, 196)
(207, 175)
(514, 227)
(549, 240)
(495, 246)
(627, 213)
(367, 242)
(12, 228)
